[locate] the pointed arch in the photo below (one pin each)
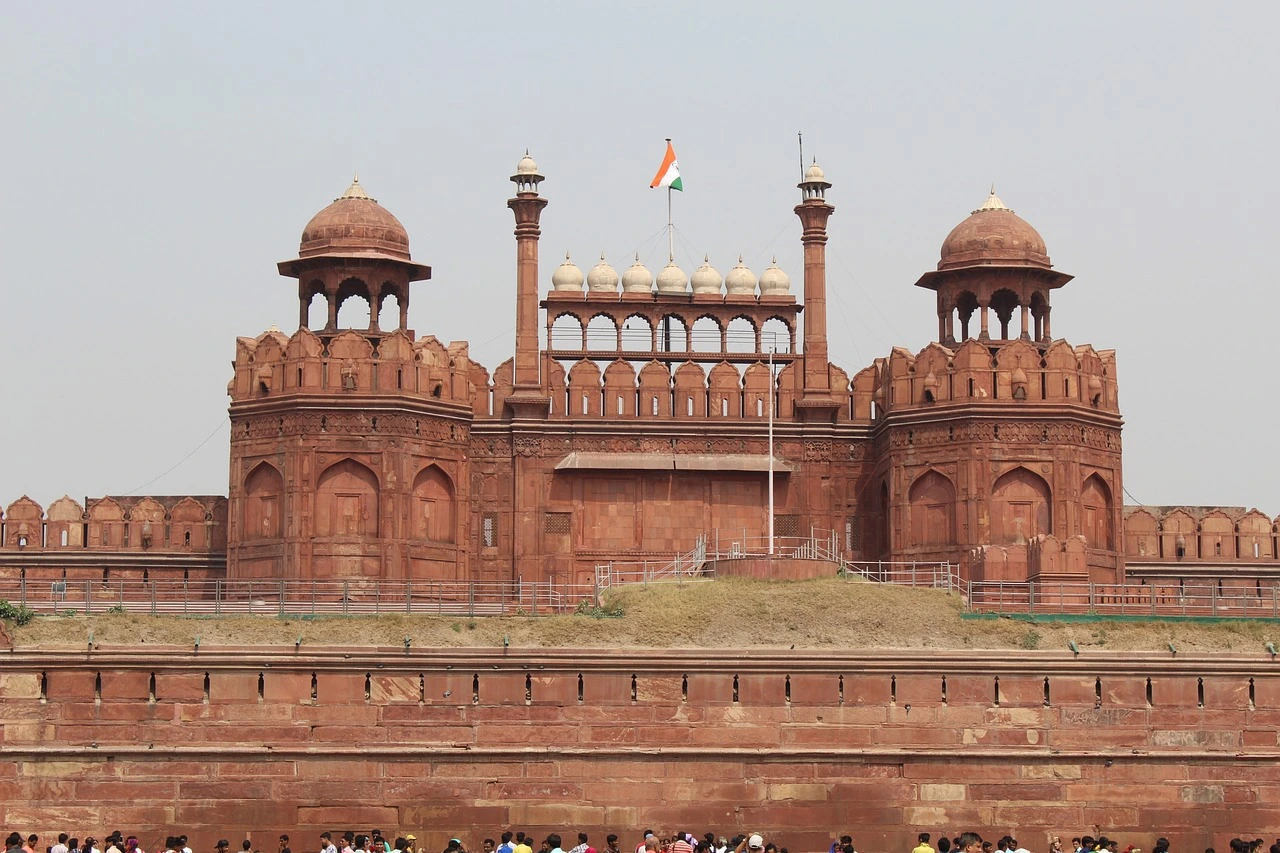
(1095, 513)
(262, 513)
(1021, 507)
(434, 507)
(347, 500)
(932, 500)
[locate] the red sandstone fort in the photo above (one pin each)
(642, 424)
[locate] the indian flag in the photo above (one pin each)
(669, 172)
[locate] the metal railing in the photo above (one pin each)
(298, 597)
(1162, 600)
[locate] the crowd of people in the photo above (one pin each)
(519, 842)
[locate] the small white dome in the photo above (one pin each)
(526, 166)
(567, 276)
(814, 173)
(637, 278)
(706, 278)
(671, 279)
(774, 282)
(602, 278)
(740, 281)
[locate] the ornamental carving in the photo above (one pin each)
(1009, 432)
(527, 446)
(817, 450)
(344, 423)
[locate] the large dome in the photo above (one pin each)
(993, 235)
(355, 225)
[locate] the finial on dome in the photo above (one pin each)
(993, 202)
(355, 190)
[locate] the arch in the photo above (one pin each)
(1095, 513)
(673, 334)
(706, 335)
(357, 317)
(1004, 302)
(316, 310)
(434, 507)
(389, 308)
(262, 515)
(347, 500)
(932, 500)
(775, 335)
(637, 333)
(1039, 311)
(1021, 507)
(966, 304)
(602, 333)
(740, 335)
(566, 332)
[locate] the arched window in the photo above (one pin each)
(932, 498)
(263, 493)
(1095, 513)
(347, 501)
(1021, 507)
(434, 507)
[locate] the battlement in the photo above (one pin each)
(1015, 371)
(350, 362)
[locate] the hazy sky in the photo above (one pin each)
(161, 158)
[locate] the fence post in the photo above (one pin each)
(1213, 600)
(913, 573)
(22, 587)
(313, 596)
(1274, 611)
(1031, 596)
(471, 599)
(282, 597)
(534, 608)
(595, 591)
(153, 598)
(88, 598)
(1091, 603)
(217, 598)
(408, 596)
(346, 596)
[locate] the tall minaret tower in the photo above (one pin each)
(528, 399)
(815, 401)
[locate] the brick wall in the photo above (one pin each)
(801, 745)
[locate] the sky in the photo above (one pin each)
(161, 158)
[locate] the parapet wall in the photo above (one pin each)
(794, 744)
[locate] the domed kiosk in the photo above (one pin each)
(993, 260)
(354, 247)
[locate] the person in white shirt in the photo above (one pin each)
(61, 846)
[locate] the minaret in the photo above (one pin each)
(527, 206)
(816, 402)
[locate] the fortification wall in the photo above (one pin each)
(219, 743)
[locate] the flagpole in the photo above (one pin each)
(671, 245)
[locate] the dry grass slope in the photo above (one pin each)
(727, 613)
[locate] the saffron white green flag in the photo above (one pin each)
(669, 172)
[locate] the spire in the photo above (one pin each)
(355, 190)
(993, 202)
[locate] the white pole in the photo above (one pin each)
(772, 391)
(671, 244)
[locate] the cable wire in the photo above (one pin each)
(221, 423)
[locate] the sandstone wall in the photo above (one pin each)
(219, 743)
